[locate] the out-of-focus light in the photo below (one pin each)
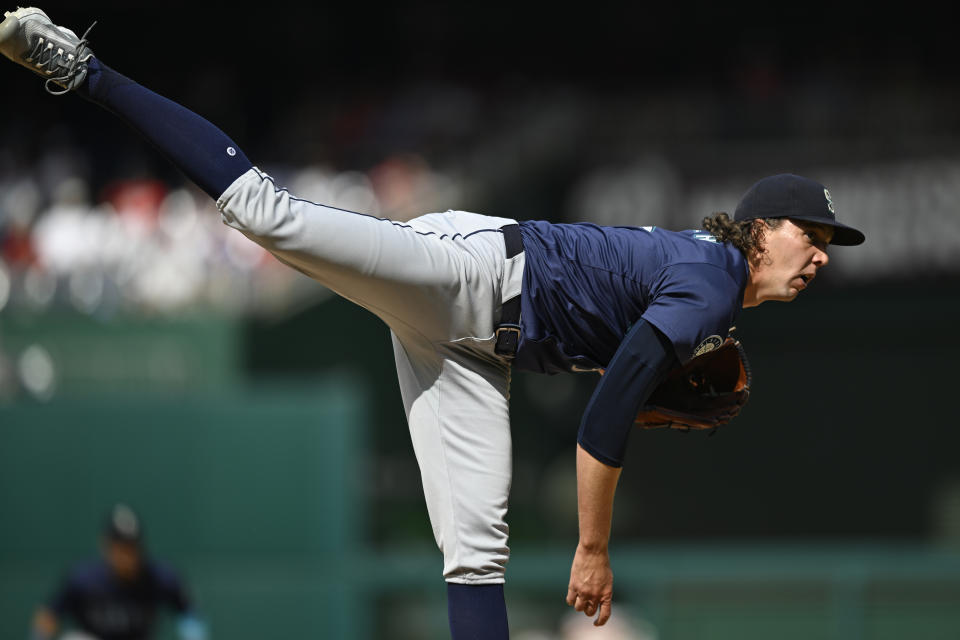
(39, 286)
(20, 200)
(4, 285)
(178, 214)
(243, 253)
(166, 284)
(86, 290)
(622, 626)
(313, 184)
(72, 190)
(37, 372)
(353, 191)
(63, 238)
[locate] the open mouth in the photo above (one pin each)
(805, 279)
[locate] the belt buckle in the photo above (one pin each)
(508, 337)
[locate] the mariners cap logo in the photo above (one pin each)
(829, 201)
(708, 345)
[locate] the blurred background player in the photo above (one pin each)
(118, 595)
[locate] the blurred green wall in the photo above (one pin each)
(251, 494)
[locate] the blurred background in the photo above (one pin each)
(150, 355)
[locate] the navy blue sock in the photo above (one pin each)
(204, 153)
(477, 612)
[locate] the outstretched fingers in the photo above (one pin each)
(605, 609)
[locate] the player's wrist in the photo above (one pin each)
(593, 546)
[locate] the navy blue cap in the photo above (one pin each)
(789, 196)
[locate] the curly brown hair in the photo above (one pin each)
(747, 235)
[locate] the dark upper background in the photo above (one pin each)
(303, 82)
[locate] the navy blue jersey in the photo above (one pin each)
(585, 285)
(110, 609)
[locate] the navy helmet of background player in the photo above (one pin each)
(468, 296)
(117, 597)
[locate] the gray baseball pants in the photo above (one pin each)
(438, 281)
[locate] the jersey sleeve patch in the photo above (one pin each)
(708, 345)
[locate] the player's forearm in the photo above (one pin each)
(596, 486)
(638, 366)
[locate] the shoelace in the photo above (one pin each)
(49, 56)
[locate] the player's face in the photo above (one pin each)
(123, 558)
(794, 252)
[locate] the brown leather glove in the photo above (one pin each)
(706, 392)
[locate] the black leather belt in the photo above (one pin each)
(508, 331)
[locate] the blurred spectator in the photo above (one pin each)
(143, 246)
(117, 596)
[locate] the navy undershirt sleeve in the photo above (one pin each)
(204, 153)
(642, 360)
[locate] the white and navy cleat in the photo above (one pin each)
(29, 38)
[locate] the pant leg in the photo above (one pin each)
(456, 403)
(439, 282)
(439, 275)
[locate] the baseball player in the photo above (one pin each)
(117, 596)
(467, 297)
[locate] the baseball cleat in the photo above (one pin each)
(29, 38)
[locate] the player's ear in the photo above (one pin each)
(758, 232)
